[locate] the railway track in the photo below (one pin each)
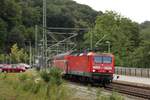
(142, 92)
(138, 91)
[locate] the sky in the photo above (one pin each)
(136, 10)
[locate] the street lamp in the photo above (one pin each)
(108, 42)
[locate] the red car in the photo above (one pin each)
(91, 66)
(13, 68)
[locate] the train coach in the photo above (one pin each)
(89, 66)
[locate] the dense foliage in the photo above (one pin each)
(128, 40)
(19, 17)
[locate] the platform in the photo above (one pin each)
(140, 81)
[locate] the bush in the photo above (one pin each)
(45, 76)
(38, 69)
(4, 75)
(23, 77)
(55, 76)
(27, 86)
(35, 89)
(30, 86)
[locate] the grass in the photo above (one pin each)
(12, 87)
(25, 86)
(113, 96)
(33, 85)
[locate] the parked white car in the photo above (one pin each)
(1, 66)
(25, 65)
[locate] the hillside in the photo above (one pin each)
(19, 17)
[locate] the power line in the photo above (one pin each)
(64, 28)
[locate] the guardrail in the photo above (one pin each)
(139, 72)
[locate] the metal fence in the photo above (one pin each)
(139, 72)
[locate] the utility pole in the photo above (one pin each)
(36, 31)
(91, 42)
(36, 48)
(108, 42)
(44, 50)
(30, 53)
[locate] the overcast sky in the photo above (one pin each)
(136, 10)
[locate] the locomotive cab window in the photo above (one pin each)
(98, 59)
(107, 59)
(102, 59)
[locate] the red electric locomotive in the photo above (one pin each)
(90, 66)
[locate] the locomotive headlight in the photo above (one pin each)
(94, 70)
(108, 68)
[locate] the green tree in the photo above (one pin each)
(2, 58)
(10, 12)
(18, 18)
(122, 33)
(15, 36)
(145, 31)
(18, 55)
(3, 33)
(141, 55)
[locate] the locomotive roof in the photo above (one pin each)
(107, 54)
(62, 55)
(59, 56)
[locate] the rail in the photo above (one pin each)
(142, 92)
(138, 91)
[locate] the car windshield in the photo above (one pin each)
(102, 59)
